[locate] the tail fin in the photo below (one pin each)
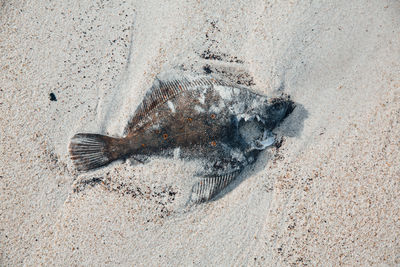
(91, 151)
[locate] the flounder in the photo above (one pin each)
(224, 126)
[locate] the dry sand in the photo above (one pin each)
(328, 196)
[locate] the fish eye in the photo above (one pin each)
(213, 116)
(190, 119)
(165, 136)
(277, 106)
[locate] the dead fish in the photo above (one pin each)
(223, 125)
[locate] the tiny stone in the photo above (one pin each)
(207, 69)
(53, 97)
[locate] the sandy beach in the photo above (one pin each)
(328, 196)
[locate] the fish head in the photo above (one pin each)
(256, 123)
(276, 112)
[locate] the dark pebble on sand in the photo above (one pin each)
(53, 97)
(207, 69)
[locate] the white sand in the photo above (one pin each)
(329, 196)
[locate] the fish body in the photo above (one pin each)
(224, 125)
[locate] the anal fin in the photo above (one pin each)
(209, 186)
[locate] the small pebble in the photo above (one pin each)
(53, 97)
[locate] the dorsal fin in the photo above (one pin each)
(164, 90)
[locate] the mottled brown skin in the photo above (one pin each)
(182, 128)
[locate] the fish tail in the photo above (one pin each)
(91, 151)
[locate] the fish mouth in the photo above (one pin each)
(254, 132)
